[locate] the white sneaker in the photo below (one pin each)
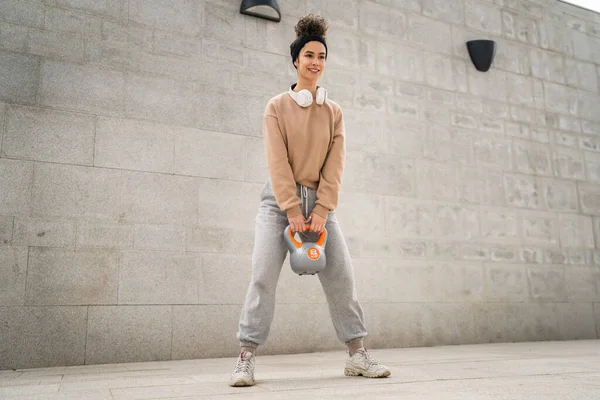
(362, 363)
(243, 375)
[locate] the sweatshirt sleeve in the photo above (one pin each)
(280, 171)
(330, 182)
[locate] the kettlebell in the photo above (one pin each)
(306, 258)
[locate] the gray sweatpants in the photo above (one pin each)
(269, 254)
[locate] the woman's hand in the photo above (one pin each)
(317, 223)
(298, 223)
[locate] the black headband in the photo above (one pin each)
(299, 43)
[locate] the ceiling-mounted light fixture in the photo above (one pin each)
(482, 53)
(267, 9)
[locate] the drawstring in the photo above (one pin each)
(304, 191)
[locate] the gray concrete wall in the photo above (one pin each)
(131, 163)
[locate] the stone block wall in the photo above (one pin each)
(131, 163)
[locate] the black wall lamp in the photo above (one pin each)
(267, 9)
(482, 53)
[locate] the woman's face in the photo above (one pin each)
(311, 61)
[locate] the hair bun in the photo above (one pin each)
(311, 25)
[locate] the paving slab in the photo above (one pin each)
(561, 370)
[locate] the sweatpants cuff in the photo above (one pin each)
(244, 343)
(355, 340)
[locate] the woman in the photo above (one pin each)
(304, 142)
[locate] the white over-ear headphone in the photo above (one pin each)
(304, 97)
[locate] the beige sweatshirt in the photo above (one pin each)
(305, 146)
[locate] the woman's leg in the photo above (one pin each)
(267, 259)
(259, 306)
(347, 315)
(337, 280)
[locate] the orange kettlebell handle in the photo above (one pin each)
(298, 244)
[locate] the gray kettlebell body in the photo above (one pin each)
(307, 258)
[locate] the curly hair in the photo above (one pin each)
(311, 25)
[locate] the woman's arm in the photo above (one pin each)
(330, 182)
(280, 171)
